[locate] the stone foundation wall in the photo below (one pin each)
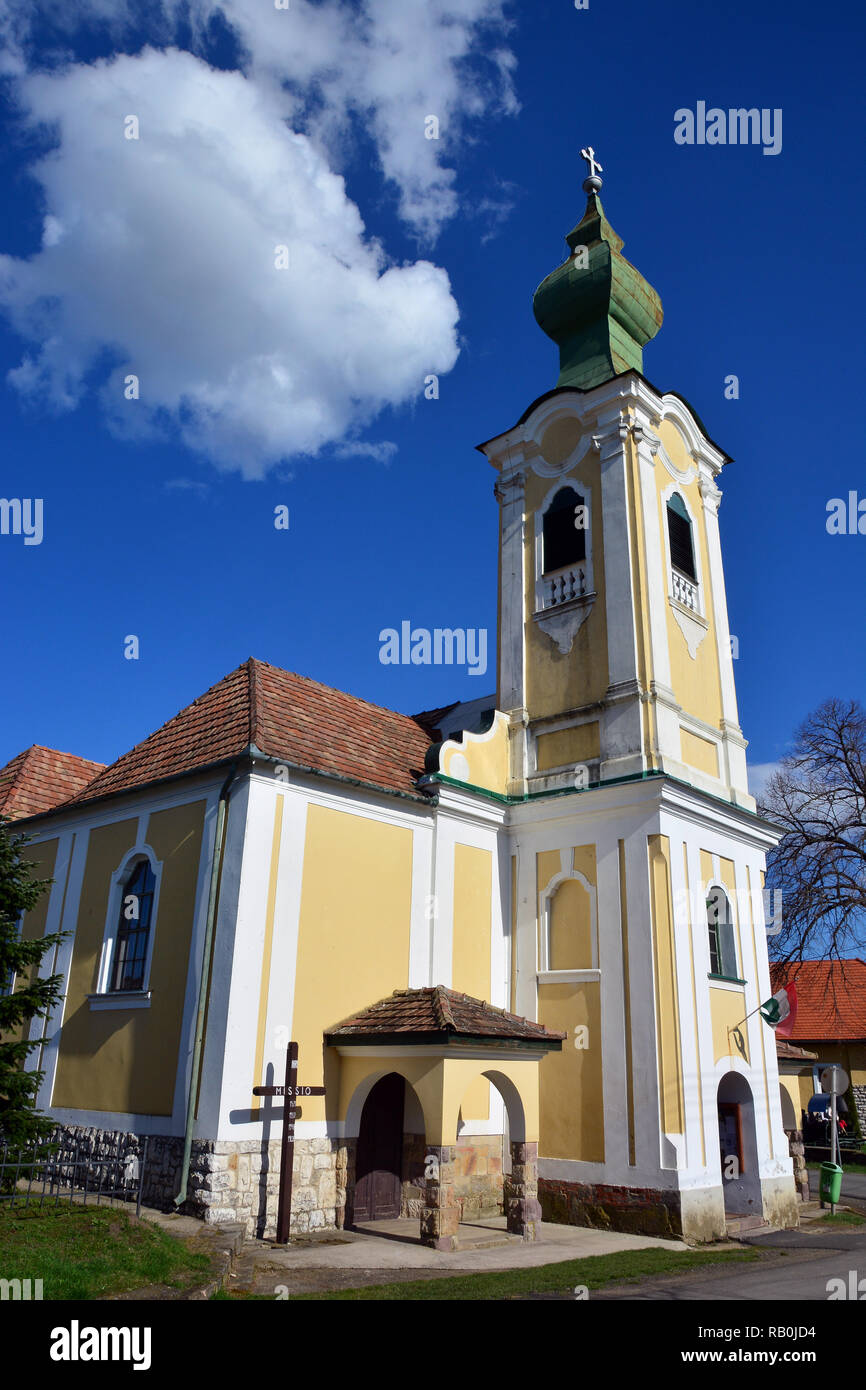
(477, 1170)
(798, 1157)
(860, 1106)
(238, 1180)
(648, 1211)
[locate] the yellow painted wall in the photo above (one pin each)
(560, 439)
(571, 927)
(126, 1059)
(353, 935)
(441, 1085)
(564, 747)
(470, 947)
(43, 858)
(696, 683)
(699, 752)
(789, 1087)
(667, 1003)
(571, 1093)
(555, 682)
(727, 1010)
(850, 1055)
(487, 757)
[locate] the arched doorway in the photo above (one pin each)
(741, 1183)
(378, 1165)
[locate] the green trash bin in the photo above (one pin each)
(831, 1182)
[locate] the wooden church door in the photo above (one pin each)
(380, 1152)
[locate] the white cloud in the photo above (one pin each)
(163, 250)
(759, 776)
(160, 251)
(381, 452)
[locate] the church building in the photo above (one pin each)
(519, 942)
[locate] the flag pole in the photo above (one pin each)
(743, 1020)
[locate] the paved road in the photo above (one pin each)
(797, 1268)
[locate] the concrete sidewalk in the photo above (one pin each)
(390, 1252)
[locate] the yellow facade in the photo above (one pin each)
(578, 744)
(125, 1059)
(353, 934)
(42, 858)
(667, 1004)
(572, 1091)
(696, 681)
(470, 947)
(555, 682)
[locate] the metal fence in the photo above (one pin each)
(74, 1170)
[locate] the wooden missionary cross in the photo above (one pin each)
(290, 1091)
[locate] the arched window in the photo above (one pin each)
(564, 533)
(720, 928)
(680, 537)
(133, 929)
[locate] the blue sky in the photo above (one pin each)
(158, 514)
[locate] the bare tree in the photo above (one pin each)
(818, 797)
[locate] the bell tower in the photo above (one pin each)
(614, 656)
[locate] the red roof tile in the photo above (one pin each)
(39, 779)
(437, 1011)
(286, 716)
(831, 998)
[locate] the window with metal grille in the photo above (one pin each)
(133, 931)
(564, 539)
(680, 537)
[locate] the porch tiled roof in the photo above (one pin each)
(436, 1012)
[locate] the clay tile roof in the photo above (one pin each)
(831, 998)
(285, 716)
(438, 1013)
(39, 779)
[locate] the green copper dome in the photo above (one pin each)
(601, 315)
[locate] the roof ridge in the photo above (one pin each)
(252, 689)
(442, 1008)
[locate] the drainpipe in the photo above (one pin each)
(202, 987)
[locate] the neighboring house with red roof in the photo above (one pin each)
(830, 1022)
(519, 941)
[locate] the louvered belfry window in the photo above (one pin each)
(680, 537)
(564, 542)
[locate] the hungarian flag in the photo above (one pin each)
(781, 1011)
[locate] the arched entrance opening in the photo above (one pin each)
(741, 1183)
(389, 1157)
(378, 1164)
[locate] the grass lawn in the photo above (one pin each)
(593, 1272)
(90, 1252)
(843, 1218)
